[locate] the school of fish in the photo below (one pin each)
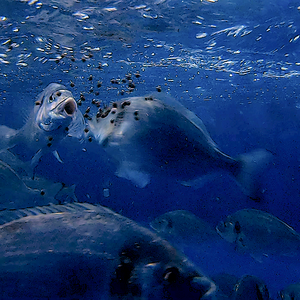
(54, 247)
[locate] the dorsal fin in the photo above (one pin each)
(9, 215)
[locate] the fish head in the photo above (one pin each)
(176, 281)
(56, 109)
(229, 229)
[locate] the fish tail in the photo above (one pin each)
(250, 168)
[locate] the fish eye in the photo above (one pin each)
(171, 274)
(237, 227)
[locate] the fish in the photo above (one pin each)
(260, 234)
(85, 251)
(18, 191)
(292, 292)
(251, 288)
(183, 225)
(225, 285)
(55, 116)
(155, 134)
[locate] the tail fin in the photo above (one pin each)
(251, 167)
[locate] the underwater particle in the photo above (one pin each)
(122, 92)
(158, 88)
(136, 113)
(112, 121)
(72, 84)
(72, 58)
(50, 138)
(99, 84)
(79, 103)
(90, 77)
(83, 59)
(137, 74)
(201, 35)
(106, 193)
(128, 76)
(131, 85)
(88, 109)
(86, 130)
(115, 105)
(82, 98)
(49, 144)
(90, 139)
(99, 65)
(97, 93)
(42, 192)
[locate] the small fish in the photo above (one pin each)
(18, 191)
(292, 292)
(54, 117)
(184, 226)
(155, 134)
(83, 251)
(251, 288)
(259, 233)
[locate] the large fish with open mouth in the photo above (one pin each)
(54, 117)
(83, 251)
(156, 134)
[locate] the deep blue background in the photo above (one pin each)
(241, 79)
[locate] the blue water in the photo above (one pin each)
(233, 63)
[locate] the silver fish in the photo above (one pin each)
(54, 117)
(183, 225)
(251, 288)
(292, 292)
(155, 134)
(259, 233)
(82, 251)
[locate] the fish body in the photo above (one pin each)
(184, 226)
(54, 117)
(292, 292)
(155, 134)
(18, 191)
(259, 233)
(250, 288)
(82, 251)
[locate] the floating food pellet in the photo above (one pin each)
(112, 121)
(83, 59)
(90, 55)
(137, 74)
(82, 98)
(122, 92)
(99, 66)
(158, 88)
(86, 130)
(90, 139)
(99, 84)
(73, 58)
(131, 85)
(37, 102)
(128, 76)
(114, 105)
(49, 144)
(72, 84)
(50, 138)
(42, 192)
(91, 77)
(136, 113)
(88, 109)
(79, 102)
(97, 93)
(136, 118)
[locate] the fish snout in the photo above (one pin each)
(205, 286)
(68, 107)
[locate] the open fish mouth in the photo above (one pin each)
(66, 107)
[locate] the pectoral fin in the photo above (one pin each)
(131, 172)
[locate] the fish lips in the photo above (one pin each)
(61, 115)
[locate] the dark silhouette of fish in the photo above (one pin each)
(82, 251)
(157, 135)
(260, 234)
